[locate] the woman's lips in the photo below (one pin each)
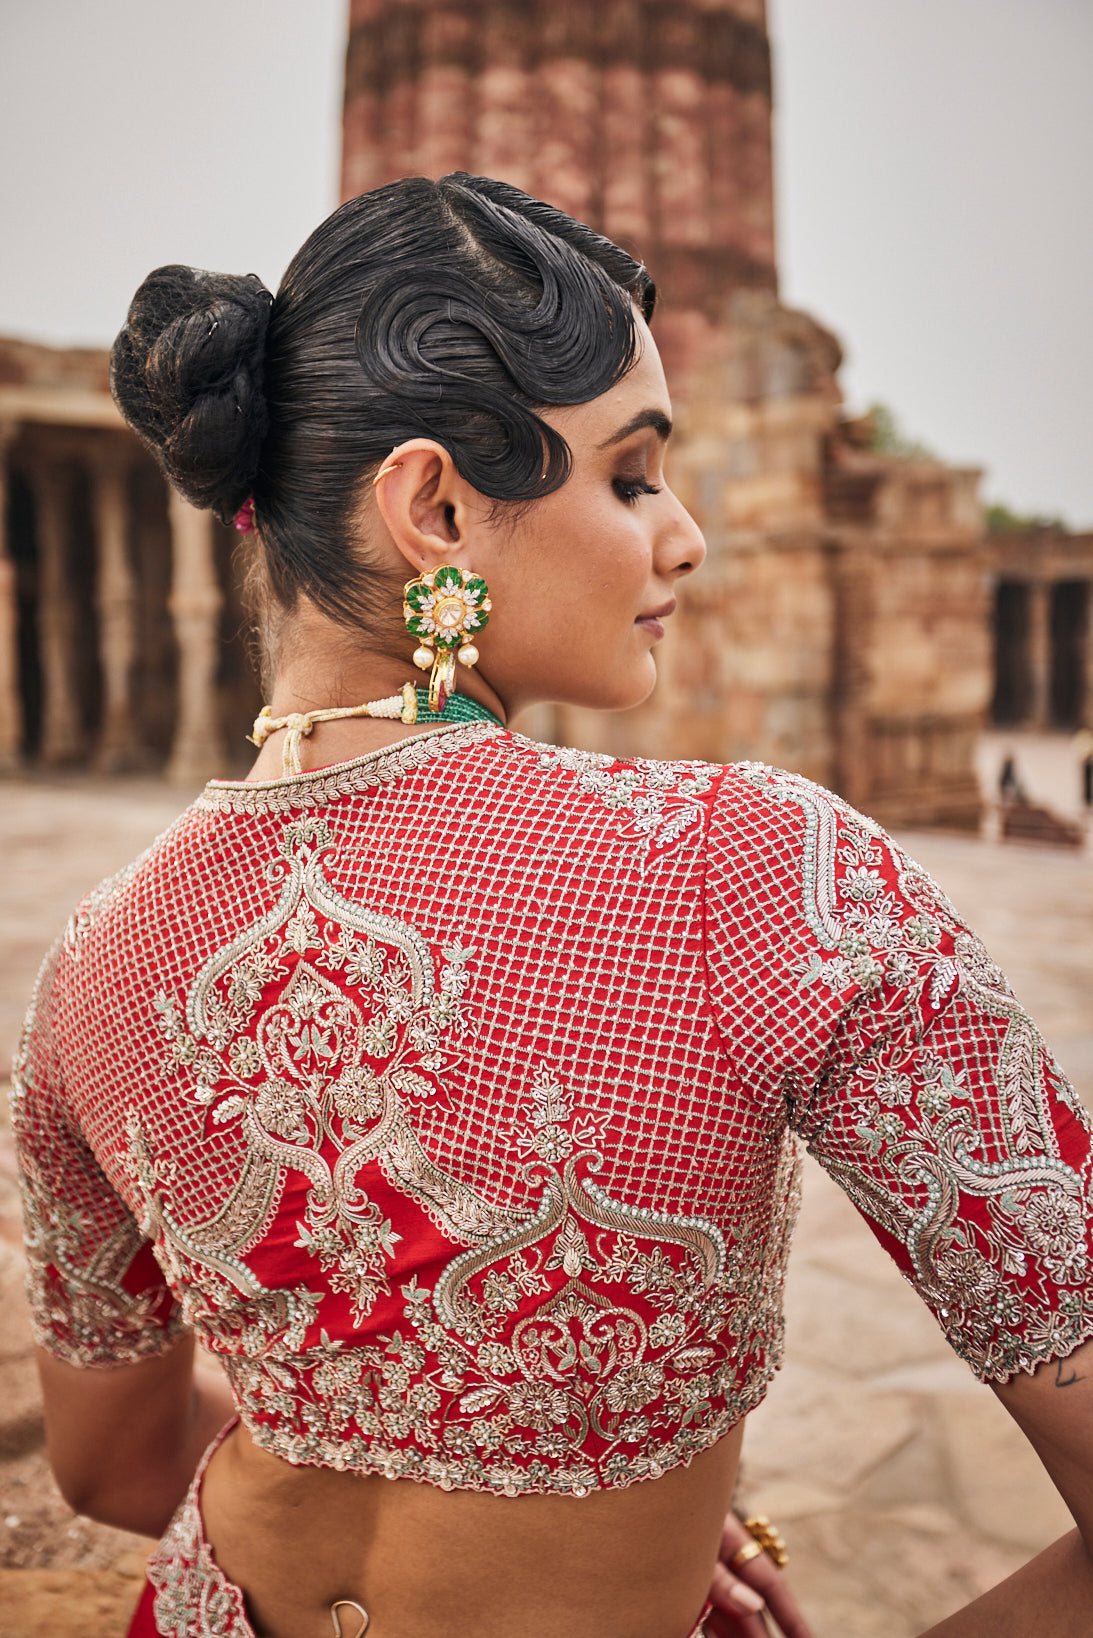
(652, 622)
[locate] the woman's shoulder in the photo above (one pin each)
(616, 780)
(730, 787)
(123, 913)
(784, 849)
(748, 816)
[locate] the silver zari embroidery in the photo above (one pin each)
(916, 1115)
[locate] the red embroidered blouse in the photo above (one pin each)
(450, 1096)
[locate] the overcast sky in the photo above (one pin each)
(935, 173)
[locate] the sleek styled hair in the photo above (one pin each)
(450, 310)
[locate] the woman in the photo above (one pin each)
(444, 1087)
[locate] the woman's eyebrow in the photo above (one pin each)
(654, 418)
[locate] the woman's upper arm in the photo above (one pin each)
(97, 1295)
(911, 1071)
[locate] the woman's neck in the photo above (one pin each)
(322, 668)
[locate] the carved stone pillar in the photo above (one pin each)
(115, 594)
(198, 750)
(11, 703)
(852, 604)
(1039, 653)
(62, 725)
(648, 121)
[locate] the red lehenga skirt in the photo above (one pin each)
(143, 1624)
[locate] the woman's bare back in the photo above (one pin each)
(426, 1563)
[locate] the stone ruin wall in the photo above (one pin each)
(1042, 617)
(841, 623)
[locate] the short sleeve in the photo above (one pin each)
(924, 1089)
(97, 1295)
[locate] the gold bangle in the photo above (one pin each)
(745, 1554)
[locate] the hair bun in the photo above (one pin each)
(186, 373)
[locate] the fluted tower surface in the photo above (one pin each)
(651, 122)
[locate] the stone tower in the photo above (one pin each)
(650, 122)
(839, 626)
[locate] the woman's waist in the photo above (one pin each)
(424, 1562)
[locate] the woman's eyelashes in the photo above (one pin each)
(629, 489)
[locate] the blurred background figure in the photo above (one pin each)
(1009, 786)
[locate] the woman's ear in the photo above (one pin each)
(427, 507)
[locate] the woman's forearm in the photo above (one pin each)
(1051, 1595)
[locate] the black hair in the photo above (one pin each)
(451, 310)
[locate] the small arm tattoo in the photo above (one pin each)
(1067, 1381)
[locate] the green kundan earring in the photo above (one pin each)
(443, 610)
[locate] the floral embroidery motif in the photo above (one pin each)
(316, 1035)
(656, 802)
(524, 1350)
(311, 1034)
(77, 1268)
(914, 1111)
(194, 1598)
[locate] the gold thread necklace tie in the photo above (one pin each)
(401, 707)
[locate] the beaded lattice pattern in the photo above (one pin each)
(450, 1096)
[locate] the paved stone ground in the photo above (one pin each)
(901, 1484)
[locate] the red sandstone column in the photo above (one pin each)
(503, 136)
(624, 141)
(727, 195)
(62, 730)
(446, 89)
(364, 158)
(1039, 653)
(567, 104)
(11, 704)
(681, 160)
(116, 598)
(398, 87)
(649, 121)
(754, 158)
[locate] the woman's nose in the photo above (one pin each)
(685, 544)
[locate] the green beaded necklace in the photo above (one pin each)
(460, 708)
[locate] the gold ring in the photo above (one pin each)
(768, 1539)
(745, 1554)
